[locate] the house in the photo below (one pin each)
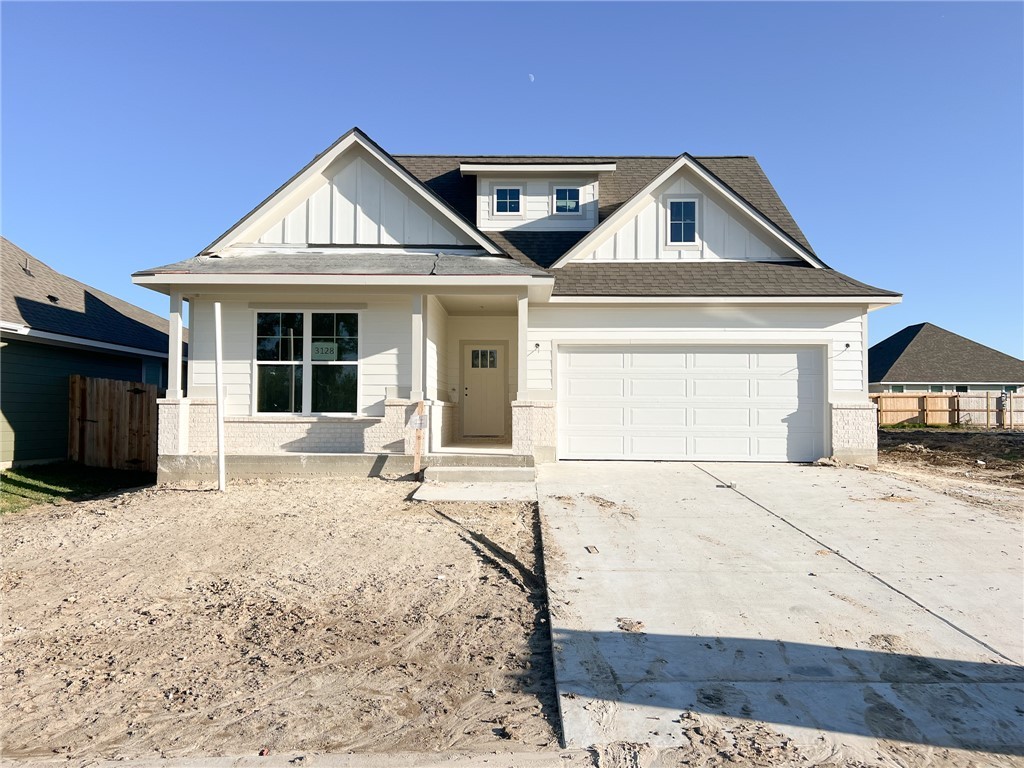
(927, 358)
(52, 326)
(543, 307)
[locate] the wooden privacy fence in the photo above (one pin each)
(112, 424)
(974, 409)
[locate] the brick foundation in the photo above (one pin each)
(534, 429)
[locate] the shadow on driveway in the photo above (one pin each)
(880, 694)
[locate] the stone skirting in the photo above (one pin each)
(855, 432)
(534, 429)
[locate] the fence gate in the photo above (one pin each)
(113, 424)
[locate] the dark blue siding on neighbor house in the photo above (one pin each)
(34, 393)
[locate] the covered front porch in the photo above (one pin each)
(457, 356)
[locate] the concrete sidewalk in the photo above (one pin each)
(829, 604)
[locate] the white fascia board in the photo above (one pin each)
(305, 182)
(609, 226)
(60, 339)
(484, 168)
(428, 284)
(861, 300)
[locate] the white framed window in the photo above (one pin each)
(307, 362)
(897, 389)
(565, 201)
(508, 201)
(682, 225)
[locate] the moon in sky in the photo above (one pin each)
(532, 78)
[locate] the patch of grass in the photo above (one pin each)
(53, 483)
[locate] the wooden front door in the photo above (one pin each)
(484, 378)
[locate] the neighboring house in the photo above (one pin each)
(51, 327)
(926, 358)
(549, 307)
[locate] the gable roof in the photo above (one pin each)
(741, 173)
(79, 311)
(926, 353)
(272, 206)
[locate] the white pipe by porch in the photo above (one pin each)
(218, 374)
(174, 353)
(418, 342)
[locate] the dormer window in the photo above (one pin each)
(508, 201)
(566, 201)
(682, 221)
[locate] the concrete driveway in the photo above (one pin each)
(838, 606)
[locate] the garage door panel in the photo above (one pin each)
(718, 388)
(720, 359)
(657, 416)
(595, 387)
(594, 359)
(721, 417)
(657, 446)
(722, 447)
(720, 404)
(658, 359)
(595, 416)
(657, 387)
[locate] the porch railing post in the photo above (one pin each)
(523, 305)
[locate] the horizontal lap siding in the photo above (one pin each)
(385, 332)
(34, 399)
(536, 204)
(747, 325)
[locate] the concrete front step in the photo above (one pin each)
(479, 474)
(476, 460)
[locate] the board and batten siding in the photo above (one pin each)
(437, 350)
(721, 231)
(385, 337)
(834, 327)
(537, 214)
(359, 205)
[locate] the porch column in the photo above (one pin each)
(419, 308)
(174, 356)
(521, 350)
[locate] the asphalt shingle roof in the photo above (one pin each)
(926, 353)
(722, 278)
(79, 310)
(341, 263)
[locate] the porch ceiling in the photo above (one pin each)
(470, 305)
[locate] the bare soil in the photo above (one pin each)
(983, 468)
(322, 616)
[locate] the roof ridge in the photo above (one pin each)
(574, 157)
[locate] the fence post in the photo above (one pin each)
(1009, 408)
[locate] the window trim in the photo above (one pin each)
(307, 363)
(521, 213)
(553, 200)
(666, 229)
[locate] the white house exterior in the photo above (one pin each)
(545, 308)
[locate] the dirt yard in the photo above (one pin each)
(983, 468)
(322, 616)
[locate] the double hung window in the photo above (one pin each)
(682, 222)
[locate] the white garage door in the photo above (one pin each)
(757, 403)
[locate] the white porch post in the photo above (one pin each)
(419, 309)
(522, 340)
(174, 356)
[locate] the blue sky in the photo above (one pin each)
(135, 133)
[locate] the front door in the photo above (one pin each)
(483, 390)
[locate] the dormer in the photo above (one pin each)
(536, 196)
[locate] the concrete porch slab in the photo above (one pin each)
(455, 491)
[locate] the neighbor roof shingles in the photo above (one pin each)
(926, 354)
(79, 310)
